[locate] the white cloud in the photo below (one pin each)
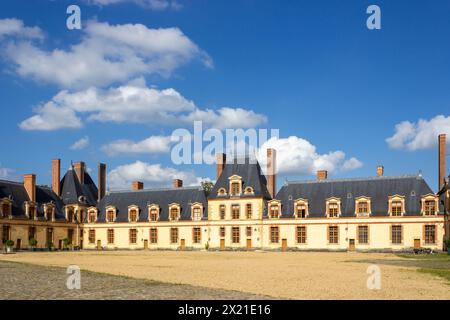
(80, 144)
(106, 54)
(298, 156)
(133, 103)
(6, 173)
(421, 135)
(151, 145)
(15, 27)
(148, 4)
(153, 175)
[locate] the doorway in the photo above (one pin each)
(283, 244)
(99, 244)
(182, 244)
(146, 244)
(351, 245)
(249, 244)
(416, 243)
(18, 244)
(222, 244)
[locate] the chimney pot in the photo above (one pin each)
(322, 174)
(177, 183)
(29, 182)
(221, 161)
(380, 171)
(137, 185)
(101, 180)
(56, 176)
(271, 172)
(441, 151)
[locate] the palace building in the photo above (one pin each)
(243, 211)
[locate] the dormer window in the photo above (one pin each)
(333, 206)
(396, 206)
(30, 210)
(153, 212)
(249, 191)
(301, 209)
(110, 214)
(362, 206)
(222, 192)
(235, 185)
(133, 214)
(197, 211)
(49, 211)
(430, 204)
(6, 208)
(92, 215)
(174, 212)
(274, 209)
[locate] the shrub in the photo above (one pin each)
(9, 243)
(32, 242)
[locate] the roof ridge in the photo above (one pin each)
(406, 176)
(10, 181)
(156, 189)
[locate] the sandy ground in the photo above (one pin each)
(294, 275)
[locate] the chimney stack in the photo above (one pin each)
(380, 171)
(322, 175)
(101, 180)
(442, 142)
(137, 185)
(80, 167)
(56, 176)
(271, 172)
(29, 182)
(177, 183)
(221, 161)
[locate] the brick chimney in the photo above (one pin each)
(101, 181)
(380, 171)
(271, 172)
(80, 168)
(56, 176)
(29, 182)
(441, 142)
(137, 185)
(221, 161)
(322, 175)
(177, 183)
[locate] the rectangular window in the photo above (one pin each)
(49, 236)
(92, 216)
(430, 207)
(363, 208)
(133, 215)
(5, 233)
(396, 208)
(274, 211)
(248, 210)
(70, 235)
(333, 234)
(110, 236)
(222, 212)
(196, 235)
(222, 232)
(154, 214)
(396, 234)
(301, 234)
(31, 233)
(274, 234)
(173, 235)
(235, 211)
(248, 232)
(363, 234)
(235, 189)
(197, 215)
(6, 211)
(236, 236)
(174, 213)
(430, 234)
(110, 216)
(91, 236)
(133, 236)
(153, 235)
(333, 210)
(301, 211)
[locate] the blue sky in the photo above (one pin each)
(311, 69)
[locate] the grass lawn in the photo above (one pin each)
(437, 264)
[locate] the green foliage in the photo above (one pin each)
(49, 244)
(207, 186)
(32, 242)
(9, 243)
(66, 242)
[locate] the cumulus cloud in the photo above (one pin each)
(151, 145)
(80, 144)
(6, 173)
(153, 175)
(132, 103)
(420, 135)
(148, 4)
(105, 54)
(16, 27)
(298, 156)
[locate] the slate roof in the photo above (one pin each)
(19, 196)
(250, 172)
(72, 190)
(377, 188)
(162, 197)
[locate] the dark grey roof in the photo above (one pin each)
(162, 197)
(19, 196)
(72, 190)
(250, 172)
(377, 188)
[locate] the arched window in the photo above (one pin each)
(248, 190)
(153, 212)
(133, 214)
(174, 212)
(222, 192)
(92, 216)
(110, 214)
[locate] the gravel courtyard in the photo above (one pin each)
(210, 275)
